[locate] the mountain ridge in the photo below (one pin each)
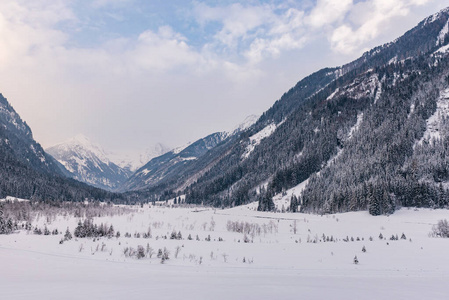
(312, 124)
(28, 172)
(88, 162)
(175, 163)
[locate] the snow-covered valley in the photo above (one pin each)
(236, 253)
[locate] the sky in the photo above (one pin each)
(132, 73)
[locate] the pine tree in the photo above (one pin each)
(67, 235)
(293, 204)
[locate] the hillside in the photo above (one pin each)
(183, 162)
(352, 131)
(88, 163)
(26, 171)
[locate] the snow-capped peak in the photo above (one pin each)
(178, 150)
(436, 16)
(81, 143)
(249, 120)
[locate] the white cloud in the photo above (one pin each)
(162, 50)
(328, 11)
(238, 22)
(159, 84)
(367, 21)
(256, 32)
(27, 29)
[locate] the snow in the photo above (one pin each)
(82, 147)
(435, 16)
(356, 125)
(255, 139)
(333, 94)
(434, 127)
(393, 60)
(179, 149)
(333, 159)
(66, 165)
(442, 34)
(279, 264)
(13, 199)
(412, 110)
(86, 150)
(363, 87)
(442, 50)
(189, 158)
(144, 172)
(249, 120)
(282, 200)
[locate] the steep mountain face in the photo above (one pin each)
(180, 166)
(16, 139)
(26, 171)
(89, 163)
(363, 135)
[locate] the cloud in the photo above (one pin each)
(162, 50)
(253, 31)
(328, 11)
(367, 21)
(238, 22)
(26, 30)
(178, 80)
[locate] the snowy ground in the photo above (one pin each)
(275, 263)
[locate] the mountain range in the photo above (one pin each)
(369, 135)
(357, 137)
(27, 171)
(88, 162)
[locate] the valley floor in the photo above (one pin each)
(286, 256)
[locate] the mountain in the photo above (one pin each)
(88, 162)
(26, 171)
(171, 163)
(132, 163)
(249, 120)
(17, 140)
(169, 167)
(368, 135)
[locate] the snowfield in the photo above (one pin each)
(281, 256)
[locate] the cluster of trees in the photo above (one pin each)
(89, 229)
(7, 225)
(441, 229)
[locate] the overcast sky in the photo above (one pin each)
(132, 73)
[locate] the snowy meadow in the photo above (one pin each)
(86, 251)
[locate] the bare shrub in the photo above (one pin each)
(441, 229)
(140, 252)
(177, 250)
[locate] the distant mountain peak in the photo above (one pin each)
(81, 139)
(249, 120)
(134, 161)
(88, 162)
(436, 16)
